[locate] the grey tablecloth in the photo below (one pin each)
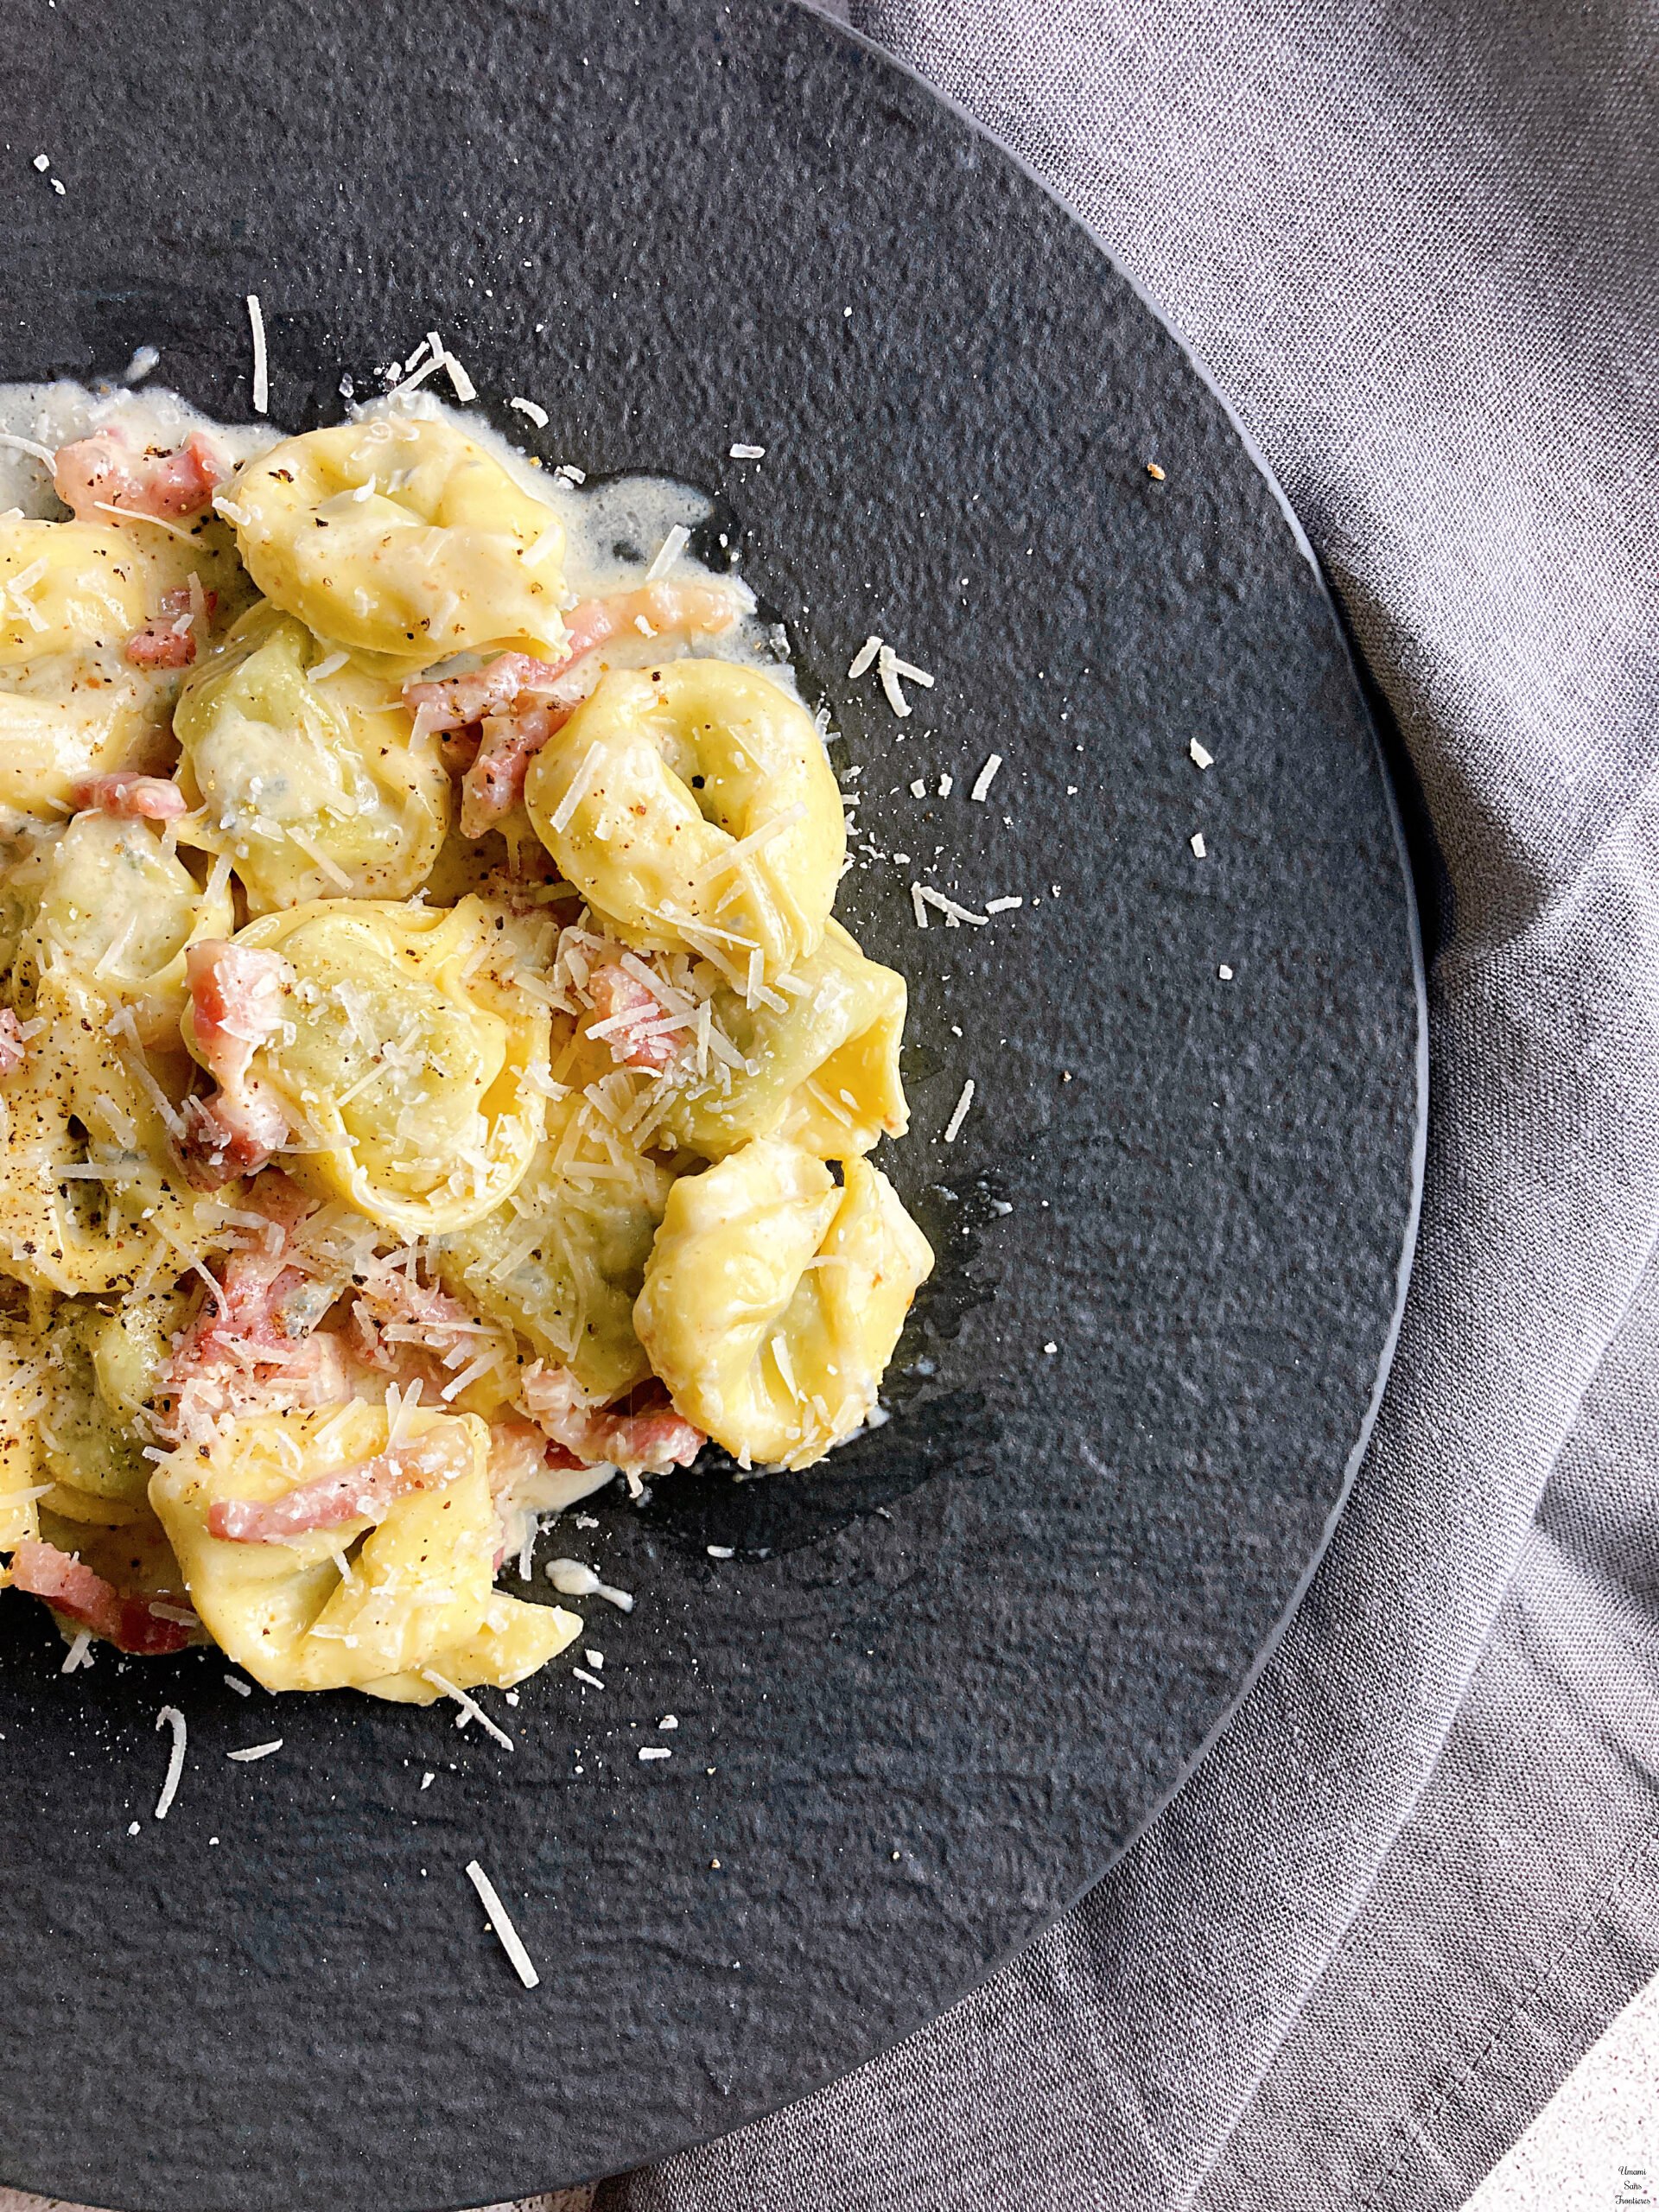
(1415, 241)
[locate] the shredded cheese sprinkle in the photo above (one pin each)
(29, 445)
(669, 552)
(986, 777)
(261, 362)
(470, 1709)
(170, 1717)
(506, 1932)
(953, 1127)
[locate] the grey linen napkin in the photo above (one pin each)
(1416, 244)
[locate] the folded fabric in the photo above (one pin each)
(1415, 243)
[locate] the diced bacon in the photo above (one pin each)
(143, 799)
(387, 1295)
(236, 997)
(12, 1049)
(494, 782)
(362, 1491)
(511, 697)
(240, 1325)
(168, 638)
(127, 1618)
(252, 1343)
(668, 610)
(454, 701)
(103, 471)
(226, 1137)
(160, 644)
(519, 1452)
(646, 1441)
(236, 1004)
(619, 997)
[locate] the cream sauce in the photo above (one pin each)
(614, 529)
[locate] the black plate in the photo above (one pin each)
(942, 1682)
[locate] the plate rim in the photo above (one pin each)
(1400, 798)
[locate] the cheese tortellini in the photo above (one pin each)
(110, 907)
(67, 588)
(302, 763)
(379, 1174)
(399, 1603)
(773, 1300)
(406, 1060)
(696, 809)
(563, 1261)
(71, 594)
(92, 1197)
(401, 537)
(823, 1062)
(21, 1403)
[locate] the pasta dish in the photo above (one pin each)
(433, 1081)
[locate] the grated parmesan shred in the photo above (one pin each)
(170, 1717)
(668, 553)
(953, 1127)
(470, 1708)
(506, 1934)
(261, 362)
(985, 779)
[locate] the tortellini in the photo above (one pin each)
(696, 809)
(773, 1300)
(92, 1450)
(406, 1063)
(401, 1604)
(112, 906)
(823, 1062)
(401, 537)
(67, 588)
(71, 594)
(308, 780)
(90, 1198)
(563, 1261)
(22, 1402)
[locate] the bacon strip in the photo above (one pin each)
(674, 610)
(13, 1051)
(647, 1441)
(362, 1491)
(103, 471)
(126, 1618)
(143, 799)
(616, 993)
(236, 997)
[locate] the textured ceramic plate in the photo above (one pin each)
(939, 1684)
